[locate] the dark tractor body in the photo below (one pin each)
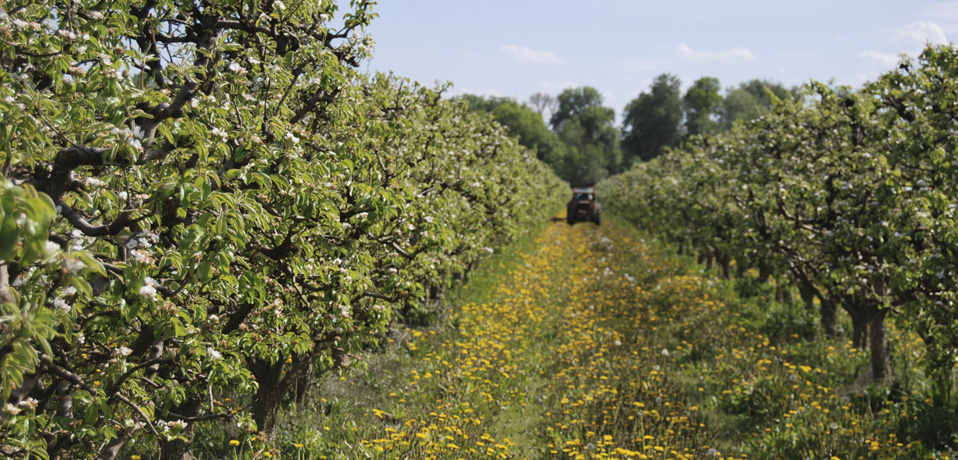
(584, 206)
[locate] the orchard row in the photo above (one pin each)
(205, 206)
(847, 197)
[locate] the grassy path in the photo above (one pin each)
(591, 344)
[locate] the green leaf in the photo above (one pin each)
(8, 237)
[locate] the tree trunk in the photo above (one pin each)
(726, 262)
(783, 294)
(176, 449)
(881, 365)
(112, 450)
(807, 292)
(179, 449)
(764, 271)
(859, 328)
(269, 394)
(828, 313)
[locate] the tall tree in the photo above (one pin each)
(526, 125)
(572, 102)
(652, 120)
(702, 102)
(750, 100)
(582, 122)
(543, 103)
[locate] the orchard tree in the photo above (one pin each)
(203, 204)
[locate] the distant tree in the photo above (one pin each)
(526, 125)
(582, 122)
(651, 121)
(543, 103)
(572, 102)
(750, 100)
(702, 102)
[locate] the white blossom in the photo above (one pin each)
(122, 351)
(235, 67)
(213, 353)
(69, 290)
(148, 291)
(73, 266)
(68, 79)
(52, 247)
(11, 409)
(61, 304)
(218, 132)
(96, 15)
(29, 403)
(93, 182)
(279, 5)
(141, 256)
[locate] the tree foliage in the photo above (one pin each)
(204, 206)
(701, 103)
(528, 127)
(651, 121)
(583, 123)
(847, 194)
(750, 100)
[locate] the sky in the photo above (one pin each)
(521, 47)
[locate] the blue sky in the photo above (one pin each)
(520, 47)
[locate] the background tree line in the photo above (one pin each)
(582, 143)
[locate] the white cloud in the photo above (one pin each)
(879, 58)
(728, 55)
(922, 32)
(525, 55)
(945, 15)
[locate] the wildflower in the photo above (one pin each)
(665, 352)
(234, 442)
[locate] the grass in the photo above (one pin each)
(586, 342)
